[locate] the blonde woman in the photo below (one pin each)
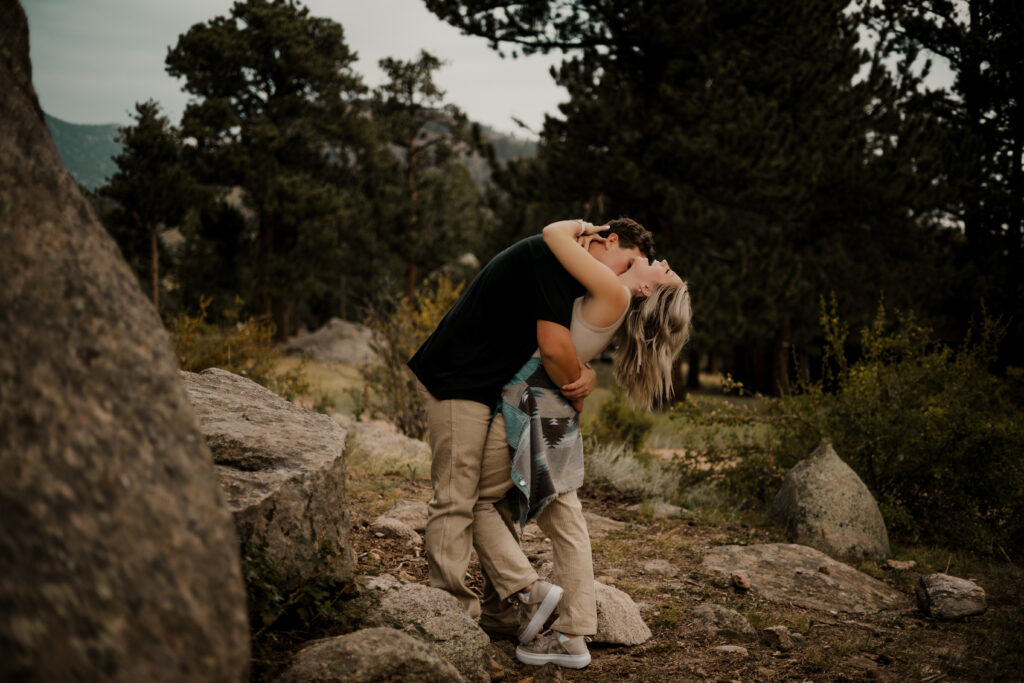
(649, 306)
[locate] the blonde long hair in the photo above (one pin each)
(650, 338)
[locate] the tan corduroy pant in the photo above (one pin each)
(562, 520)
(460, 437)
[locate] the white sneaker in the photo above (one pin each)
(571, 653)
(537, 608)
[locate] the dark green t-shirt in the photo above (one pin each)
(491, 331)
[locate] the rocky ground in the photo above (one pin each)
(899, 644)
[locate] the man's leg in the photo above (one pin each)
(457, 431)
(496, 544)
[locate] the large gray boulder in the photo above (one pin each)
(433, 614)
(339, 341)
(118, 560)
(369, 656)
(803, 576)
(826, 505)
(282, 469)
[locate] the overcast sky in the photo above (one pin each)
(93, 59)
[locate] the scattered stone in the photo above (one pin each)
(778, 638)
(900, 565)
(660, 568)
(412, 512)
(784, 572)
(282, 470)
(618, 618)
(367, 656)
(826, 505)
(861, 662)
(381, 441)
(796, 636)
(602, 526)
(339, 341)
(949, 597)
(614, 572)
(731, 650)
(740, 581)
(438, 617)
(765, 672)
(658, 510)
(118, 558)
(388, 527)
(716, 618)
(606, 580)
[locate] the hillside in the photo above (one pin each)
(86, 150)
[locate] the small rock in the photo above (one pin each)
(765, 672)
(412, 512)
(606, 580)
(860, 662)
(824, 569)
(796, 635)
(948, 597)
(388, 527)
(732, 649)
(658, 510)
(602, 526)
(618, 618)
(740, 580)
(778, 638)
(497, 671)
(715, 618)
(660, 568)
(900, 565)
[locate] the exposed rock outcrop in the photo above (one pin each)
(804, 576)
(369, 656)
(433, 614)
(339, 341)
(118, 561)
(282, 469)
(826, 506)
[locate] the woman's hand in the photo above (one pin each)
(585, 240)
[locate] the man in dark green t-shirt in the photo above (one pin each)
(521, 301)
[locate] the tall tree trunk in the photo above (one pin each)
(414, 217)
(279, 313)
(154, 265)
(693, 369)
(266, 251)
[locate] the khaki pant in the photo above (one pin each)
(470, 474)
(561, 520)
(460, 436)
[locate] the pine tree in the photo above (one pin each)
(149, 191)
(275, 112)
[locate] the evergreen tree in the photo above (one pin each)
(433, 211)
(981, 175)
(746, 137)
(275, 112)
(149, 191)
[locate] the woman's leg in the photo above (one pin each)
(562, 520)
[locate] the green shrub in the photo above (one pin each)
(401, 326)
(930, 430)
(619, 422)
(245, 348)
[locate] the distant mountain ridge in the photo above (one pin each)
(88, 151)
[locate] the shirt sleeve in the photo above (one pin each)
(555, 288)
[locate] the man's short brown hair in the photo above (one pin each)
(631, 234)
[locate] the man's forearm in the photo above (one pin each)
(557, 353)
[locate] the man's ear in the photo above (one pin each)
(611, 240)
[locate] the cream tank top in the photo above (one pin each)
(588, 339)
